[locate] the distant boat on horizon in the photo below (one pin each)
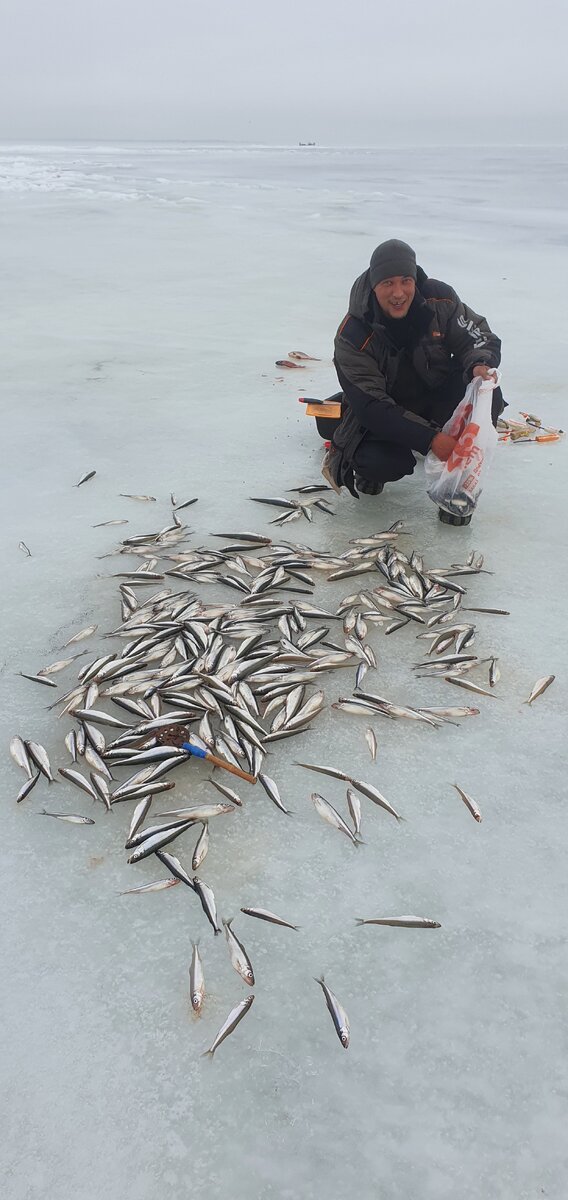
(306, 143)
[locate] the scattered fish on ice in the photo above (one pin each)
(232, 675)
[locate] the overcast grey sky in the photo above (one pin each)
(351, 72)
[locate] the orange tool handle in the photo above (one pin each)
(220, 762)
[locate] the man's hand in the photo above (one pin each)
(482, 371)
(442, 445)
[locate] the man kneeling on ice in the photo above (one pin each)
(404, 355)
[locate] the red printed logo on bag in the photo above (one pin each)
(458, 425)
(465, 452)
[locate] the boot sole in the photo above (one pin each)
(329, 478)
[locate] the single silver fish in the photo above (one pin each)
(469, 686)
(354, 805)
(85, 477)
(272, 792)
(129, 496)
(101, 788)
(173, 864)
(496, 612)
(99, 717)
(73, 818)
(196, 980)
(199, 812)
(39, 756)
(20, 755)
(79, 781)
(410, 922)
(186, 503)
(38, 679)
(331, 771)
(239, 957)
(235, 1016)
(26, 550)
(83, 633)
(540, 686)
(373, 794)
(468, 802)
(96, 762)
(159, 886)
(333, 818)
(494, 672)
(27, 787)
(228, 792)
(201, 847)
(337, 1013)
(207, 897)
(360, 673)
(100, 524)
(138, 816)
(264, 914)
(449, 713)
(53, 668)
(71, 744)
(371, 740)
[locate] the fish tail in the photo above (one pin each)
(208, 1054)
(359, 921)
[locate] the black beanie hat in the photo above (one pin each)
(390, 259)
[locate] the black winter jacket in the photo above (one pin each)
(449, 335)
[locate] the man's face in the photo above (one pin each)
(395, 295)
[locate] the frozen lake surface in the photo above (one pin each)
(148, 291)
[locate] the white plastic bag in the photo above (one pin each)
(456, 485)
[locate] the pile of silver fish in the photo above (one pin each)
(242, 673)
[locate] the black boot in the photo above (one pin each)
(367, 487)
(451, 519)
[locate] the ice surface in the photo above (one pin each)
(148, 292)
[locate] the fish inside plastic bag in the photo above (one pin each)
(456, 485)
